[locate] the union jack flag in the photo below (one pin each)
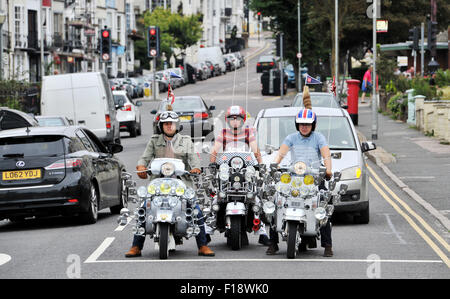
(170, 94)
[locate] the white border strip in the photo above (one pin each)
(99, 251)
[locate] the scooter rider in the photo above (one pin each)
(170, 144)
(306, 145)
(236, 135)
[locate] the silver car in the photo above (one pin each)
(318, 99)
(273, 125)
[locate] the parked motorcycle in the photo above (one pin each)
(236, 208)
(301, 207)
(166, 211)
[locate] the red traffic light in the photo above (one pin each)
(105, 33)
(259, 13)
(152, 31)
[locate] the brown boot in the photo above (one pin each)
(205, 251)
(133, 252)
(328, 251)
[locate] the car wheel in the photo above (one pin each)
(363, 217)
(91, 216)
(132, 129)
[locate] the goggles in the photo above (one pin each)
(168, 114)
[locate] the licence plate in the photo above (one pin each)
(21, 174)
(185, 118)
(296, 203)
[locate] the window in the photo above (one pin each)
(87, 144)
(31, 146)
(19, 26)
(119, 28)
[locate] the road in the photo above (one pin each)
(401, 241)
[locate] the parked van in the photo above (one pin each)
(84, 98)
(213, 54)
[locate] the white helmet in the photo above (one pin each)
(166, 117)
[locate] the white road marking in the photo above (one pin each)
(394, 230)
(122, 227)
(207, 260)
(99, 251)
(4, 258)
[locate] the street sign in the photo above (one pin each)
(382, 26)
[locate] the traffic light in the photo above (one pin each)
(259, 16)
(153, 42)
(414, 37)
(432, 32)
(278, 45)
(105, 45)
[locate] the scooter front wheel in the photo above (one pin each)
(163, 240)
(292, 239)
(235, 233)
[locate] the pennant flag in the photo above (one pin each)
(311, 80)
(173, 75)
(170, 94)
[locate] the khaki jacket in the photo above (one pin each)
(183, 148)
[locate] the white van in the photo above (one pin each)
(213, 54)
(84, 98)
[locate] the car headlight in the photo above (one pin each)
(165, 188)
(157, 201)
(285, 178)
(173, 201)
(237, 163)
(351, 173)
(168, 169)
(308, 180)
(142, 191)
(249, 173)
(151, 189)
(300, 168)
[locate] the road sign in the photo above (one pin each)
(382, 26)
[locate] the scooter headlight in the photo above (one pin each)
(168, 169)
(142, 191)
(189, 193)
(165, 188)
(308, 180)
(151, 189)
(224, 172)
(269, 207)
(173, 201)
(237, 163)
(320, 213)
(180, 190)
(249, 173)
(300, 168)
(285, 178)
(157, 201)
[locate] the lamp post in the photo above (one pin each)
(2, 20)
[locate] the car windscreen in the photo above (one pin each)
(31, 146)
(181, 105)
(118, 97)
(51, 122)
(336, 129)
(317, 100)
(265, 59)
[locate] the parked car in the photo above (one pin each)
(129, 115)
(191, 73)
(195, 116)
(241, 58)
(289, 70)
(12, 119)
(85, 99)
(59, 171)
(213, 54)
(234, 60)
(53, 121)
(265, 63)
(273, 125)
(230, 65)
(318, 99)
(203, 72)
(214, 70)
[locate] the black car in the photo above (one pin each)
(265, 63)
(47, 171)
(196, 118)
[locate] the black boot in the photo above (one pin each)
(272, 250)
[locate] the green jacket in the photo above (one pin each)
(183, 148)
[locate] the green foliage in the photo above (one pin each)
(442, 78)
(423, 87)
(398, 105)
(19, 95)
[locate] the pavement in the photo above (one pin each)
(418, 164)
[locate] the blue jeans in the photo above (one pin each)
(138, 240)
